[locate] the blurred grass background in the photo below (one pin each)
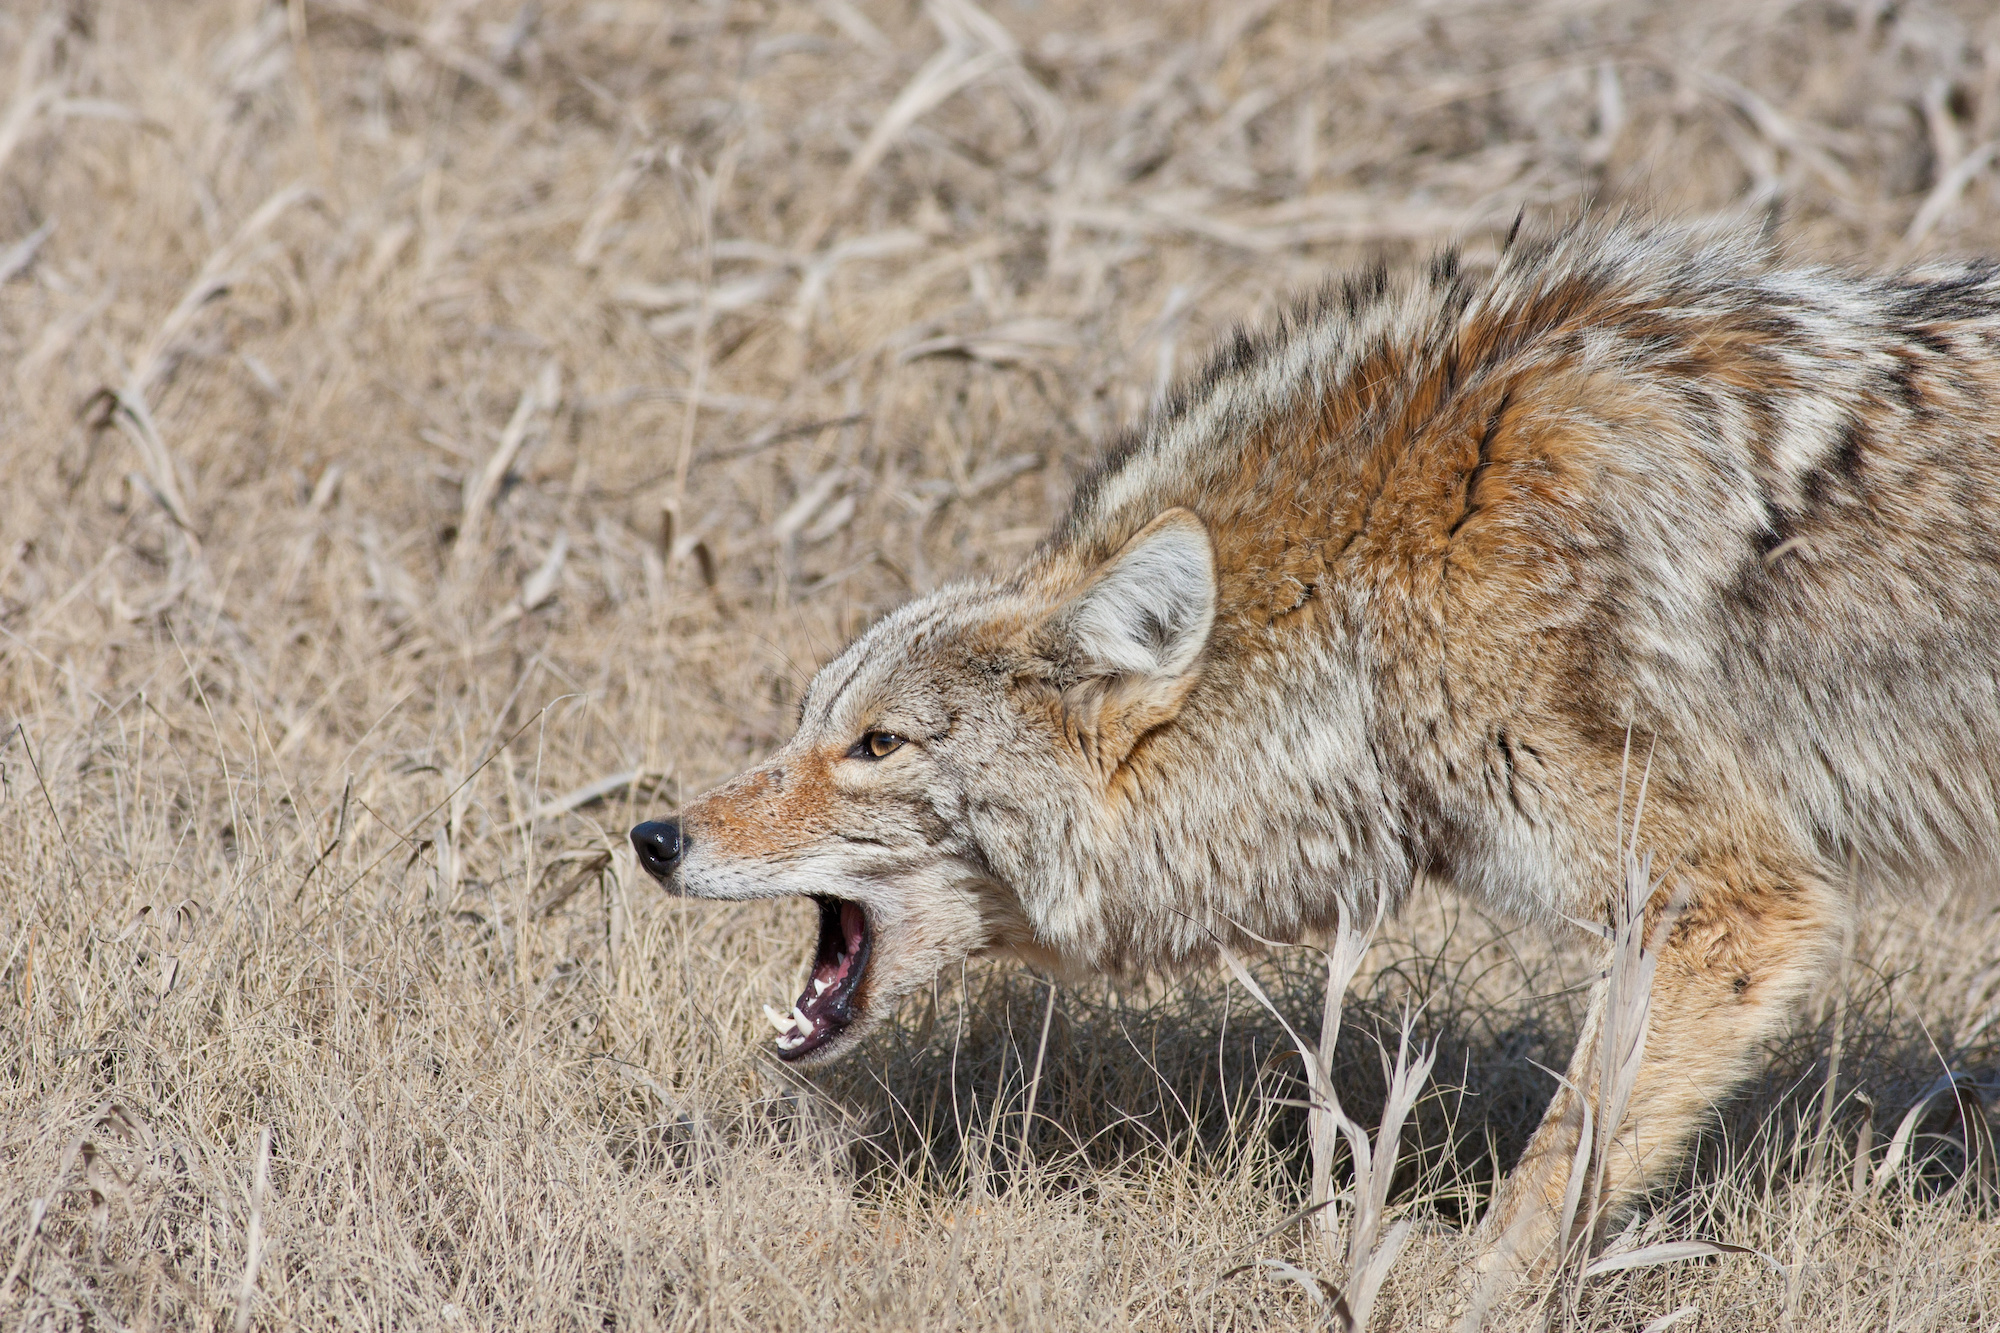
(437, 433)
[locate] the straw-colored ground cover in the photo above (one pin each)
(434, 433)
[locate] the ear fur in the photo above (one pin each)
(1134, 633)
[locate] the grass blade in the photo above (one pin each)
(1670, 1252)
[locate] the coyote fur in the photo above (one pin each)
(1391, 591)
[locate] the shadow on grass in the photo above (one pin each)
(1192, 1071)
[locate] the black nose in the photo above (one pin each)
(659, 843)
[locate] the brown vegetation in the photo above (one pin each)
(437, 432)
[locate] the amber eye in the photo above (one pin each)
(877, 745)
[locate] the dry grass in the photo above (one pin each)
(418, 411)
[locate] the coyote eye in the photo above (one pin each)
(877, 745)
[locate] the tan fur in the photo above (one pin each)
(1387, 592)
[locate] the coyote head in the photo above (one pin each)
(950, 786)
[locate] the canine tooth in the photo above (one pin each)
(805, 1025)
(783, 1022)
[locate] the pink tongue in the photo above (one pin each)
(853, 926)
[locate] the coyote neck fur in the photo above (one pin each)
(1475, 534)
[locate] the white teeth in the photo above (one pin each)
(793, 1028)
(819, 985)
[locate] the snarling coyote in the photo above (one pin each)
(1391, 591)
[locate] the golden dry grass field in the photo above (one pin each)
(435, 433)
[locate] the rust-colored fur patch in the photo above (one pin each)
(769, 812)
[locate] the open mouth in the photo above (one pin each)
(839, 963)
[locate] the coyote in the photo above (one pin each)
(1387, 592)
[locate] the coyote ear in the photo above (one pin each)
(1148, 611)
(1134, 633)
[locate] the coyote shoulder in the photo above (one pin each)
(1386, 592)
